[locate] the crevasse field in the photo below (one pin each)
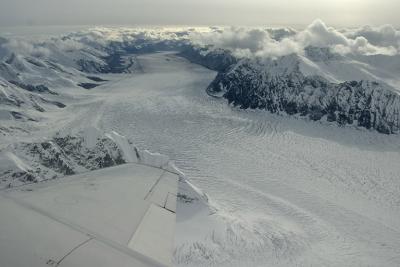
(281, 191)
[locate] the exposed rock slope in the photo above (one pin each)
(280, 86)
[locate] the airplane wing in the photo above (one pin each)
(119, 216)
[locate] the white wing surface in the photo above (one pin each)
(119, 216)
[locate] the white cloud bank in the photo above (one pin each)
(243, 42)
(259, 42)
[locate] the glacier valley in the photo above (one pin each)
(264, 189)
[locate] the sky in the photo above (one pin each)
(295, 13)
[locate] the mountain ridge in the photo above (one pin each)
(280, 86)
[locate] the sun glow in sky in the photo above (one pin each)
(194, 12)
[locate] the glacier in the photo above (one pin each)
(257, 188)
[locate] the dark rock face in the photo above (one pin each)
(113, 63)
(279, 87)
(321, 54)
(33, 88)
(88, 85)
(20, 116)
(68, 155)
(10, 100)
(60, 156)
(35, 62)
(96, 79)
(35, 105)
(90, 66)
(25, 176)
(55, 103)
(116, 64)
(218, 60)
(143, 45)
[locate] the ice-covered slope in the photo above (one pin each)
(351, 67)
(38, 78)
(281, 191)
(66, 61)
(68, 154)
(321, 86)
(23, 106)
(215, 59)
(41, 92)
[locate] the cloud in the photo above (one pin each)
(242, 41)
(245, 42)
(318, 34)
(385, 35)
(250, 42)
(233, 38)
(67, 45)
(23, 47)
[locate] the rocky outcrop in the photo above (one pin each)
(69, 154)
(59, 156)
(18, 98)
(214, 59)
(144, 45)
(280, 87)
(33, 88)
(90, 66)
(113, 63)
(88, 85)
(318, 54)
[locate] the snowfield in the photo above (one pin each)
(268, 190)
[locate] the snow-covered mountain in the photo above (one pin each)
(215, 59)
(67, 154)
(36, 78)
(310, 213)
(320, 85)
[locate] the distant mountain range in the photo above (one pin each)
(321, 85)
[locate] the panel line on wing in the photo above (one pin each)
(154, 185)
(135, 254)
(72, 250)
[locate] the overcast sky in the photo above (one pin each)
(199, 12)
